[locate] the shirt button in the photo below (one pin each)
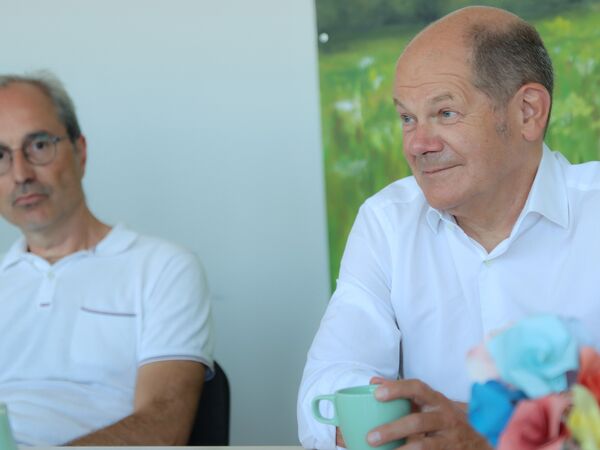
(50, 275)
(487, 263)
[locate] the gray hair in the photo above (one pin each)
(50, 85)
(506, 58)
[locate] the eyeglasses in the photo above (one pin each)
(38, 150)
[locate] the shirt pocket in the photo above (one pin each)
(104, 343)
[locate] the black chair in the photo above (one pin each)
(211, 425)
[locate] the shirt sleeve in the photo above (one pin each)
(358, 337)
(177, 323)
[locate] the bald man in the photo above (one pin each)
(491, 227)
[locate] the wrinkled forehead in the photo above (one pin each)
(432, 74)
(431, 56)
(24, 96)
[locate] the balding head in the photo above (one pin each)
(453, 30)
(52, 88)
(472, 92)
(501, 51)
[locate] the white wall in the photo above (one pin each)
(202, 124)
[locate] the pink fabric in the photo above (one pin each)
(589, 371)
(480, 365)
(537, 424)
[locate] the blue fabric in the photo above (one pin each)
(491, 407)
(535, 354)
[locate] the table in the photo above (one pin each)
(265, 447)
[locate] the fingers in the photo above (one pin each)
(408, 426)
(339, 439)
(433, 413)
(415, 390)
(425, 443)
(461, 406)
(376, 380)
(437, 423)
(430, 431)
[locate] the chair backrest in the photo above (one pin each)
(211, 425)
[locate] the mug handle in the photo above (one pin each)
(317, 413)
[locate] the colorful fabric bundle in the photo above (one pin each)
(536, 387)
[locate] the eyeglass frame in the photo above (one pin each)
(54, 141)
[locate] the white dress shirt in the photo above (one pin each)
(415, 293)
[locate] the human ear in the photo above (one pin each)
(534, 106)
(81, 153)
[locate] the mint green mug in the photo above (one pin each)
(7, 441)
(357, 411)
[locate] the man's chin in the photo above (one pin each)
(30, 225)
(441, 202)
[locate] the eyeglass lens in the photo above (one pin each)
(38, 150)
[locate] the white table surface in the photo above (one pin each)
(266, 447)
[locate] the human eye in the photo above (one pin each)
(448, 115)
(39, 144)
(5, 160)
(407, 120)
(39, 149)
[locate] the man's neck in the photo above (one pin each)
(82, 231)
(492, 229)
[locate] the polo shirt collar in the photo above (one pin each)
(547, 197)
(118, 239)
(14, 254)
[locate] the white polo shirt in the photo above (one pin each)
(74, 333)
(411, 278)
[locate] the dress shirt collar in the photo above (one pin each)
(116, 241)
(548, 195)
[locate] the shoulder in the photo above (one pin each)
(157, 245)
(581, 177)
(167, 268)
(401, 193)
(148, 250)
(402, 198)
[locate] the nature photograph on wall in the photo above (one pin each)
(359, 42)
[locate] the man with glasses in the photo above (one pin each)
(106, 334)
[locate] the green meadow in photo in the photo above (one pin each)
(359, 43)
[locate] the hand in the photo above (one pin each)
(339, 439)
(436, 422)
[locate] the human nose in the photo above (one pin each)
(423, 139)
(22, 170)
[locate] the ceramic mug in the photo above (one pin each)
(356, 411)
(7, 441)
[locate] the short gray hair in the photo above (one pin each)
(506, 58)
(50, 85)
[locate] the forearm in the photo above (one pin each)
(142, 428)
(167, 396)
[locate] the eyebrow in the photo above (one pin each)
(36, 134)
(434, 100)
(28, 137)
(441, 98)
(398, 103)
